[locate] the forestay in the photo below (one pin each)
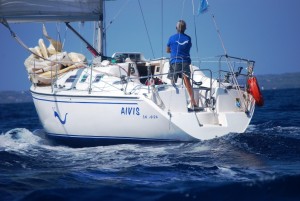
(50, 10)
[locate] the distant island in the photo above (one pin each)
(15, 97)
(266, 82)
(279, 81)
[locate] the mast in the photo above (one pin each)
(99, 42)
(100, 29)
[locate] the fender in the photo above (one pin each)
(253, 89)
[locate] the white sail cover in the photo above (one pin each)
(50, 10)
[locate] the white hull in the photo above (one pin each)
(151, 113)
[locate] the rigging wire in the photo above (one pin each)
(162, 28)
(65, 36)
(116, 16)
(229, 63)
(219, 34)
(146, 28)
(195, 28)
(80, 26)
(58, 38)
(14, 35)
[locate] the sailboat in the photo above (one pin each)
(126, 98)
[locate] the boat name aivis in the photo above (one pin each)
(130, 111)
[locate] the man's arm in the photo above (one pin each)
(168, 50)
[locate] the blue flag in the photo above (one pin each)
(203, 7)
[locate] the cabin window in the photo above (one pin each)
(84, 77)
(71, 78)
(121, 57)
(134, 57)
(98, 78)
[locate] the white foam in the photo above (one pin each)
(18, 139)
(251, 128)
(226, 172)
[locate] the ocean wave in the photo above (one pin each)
(17, 139)
(243, 161)
(238, 150)
(276, 189)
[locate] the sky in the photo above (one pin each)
(267, 31)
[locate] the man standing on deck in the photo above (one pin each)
(179, 46)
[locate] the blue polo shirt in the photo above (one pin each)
(180, 45)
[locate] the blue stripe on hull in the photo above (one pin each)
(121, 100)
(90, 141)
(84, 102)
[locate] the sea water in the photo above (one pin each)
(261, 164)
